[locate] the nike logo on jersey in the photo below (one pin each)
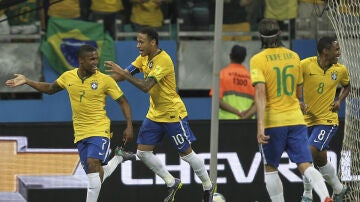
(311, 74)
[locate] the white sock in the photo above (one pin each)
(330, 176)
(199, 168)
(154, 164)
(274, 186)
(93, 188)
(317, 182)
(307, 188)
(111, 166)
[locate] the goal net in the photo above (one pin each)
(345, 19)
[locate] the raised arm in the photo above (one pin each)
(128, 133)
(48, 88)
(144, 85)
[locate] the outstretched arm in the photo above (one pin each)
(144, 85)
(49, 88)
(128, 133)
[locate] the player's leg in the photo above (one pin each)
(92, 151)
(181, 137)
(320, 137)
(271, 154)
(299, 153)
(151, 134)
(120, 156)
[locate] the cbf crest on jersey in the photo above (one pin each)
(94, 85)
(333, 75)
(151, 64)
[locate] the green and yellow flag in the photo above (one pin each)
(64, 37)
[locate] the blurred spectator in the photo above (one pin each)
(107, 11)
(22, 17)
(4, 24)
(147, 13)
(195, 14)
(236, 91)
(68, 9)
(255, 13)
(235, 19)
(282, 10)
(311, 13)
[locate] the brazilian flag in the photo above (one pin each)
(65, 36)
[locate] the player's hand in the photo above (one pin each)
(128, 134)
(304, 107)
(116, 72)
(17, 81)
(262, 138)
(335, 106)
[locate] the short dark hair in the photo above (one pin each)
(269, 30)
(151, 33)
(238, 54)
(84, 49)
(325, 42)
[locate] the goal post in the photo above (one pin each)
(344, 16)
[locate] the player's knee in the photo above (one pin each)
(142, 154)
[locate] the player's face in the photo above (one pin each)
(333, 53)
(144, 45)
(89, 62)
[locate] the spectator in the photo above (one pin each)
(107, 10)
(236, 91)
(282, 10)
(4, 25)
(22, 17)
(235, 19)
(68, 9)
(147, 13)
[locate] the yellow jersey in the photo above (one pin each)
(165, 103)
(320, 89)
(87, 98)
(279, 69)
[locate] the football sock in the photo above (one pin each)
(111, 166)
(307, 188)
(330, 176)
(317, 182)
(154, 164)
(274, 186)
(199, 168)
(93, 188)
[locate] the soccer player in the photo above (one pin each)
(236, 92)
(88, 88)
(167, 114)
(275, 73)
(322, 75)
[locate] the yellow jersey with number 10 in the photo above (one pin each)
(279, 69)
(165, 103)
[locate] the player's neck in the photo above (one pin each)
(323, 63)
(152, 55)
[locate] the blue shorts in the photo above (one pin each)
(93, 147)
(179, 133)
(292, 139)
(320, 135)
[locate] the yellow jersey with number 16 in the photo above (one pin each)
(279, 69)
